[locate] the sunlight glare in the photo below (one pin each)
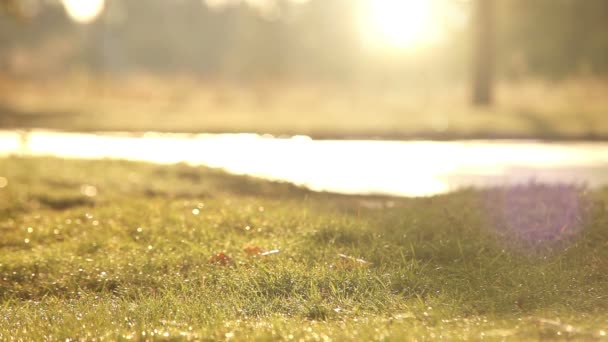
(399, 23)
(413, 168)
(83, 11)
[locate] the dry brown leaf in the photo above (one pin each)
(220, 258)
(253, 250)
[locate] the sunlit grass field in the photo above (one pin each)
(567, 109)
(115, 250)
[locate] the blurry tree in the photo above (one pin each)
(12, 7)
(553, 38)
(484, 53)
(316, 40)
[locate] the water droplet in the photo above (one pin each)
(26, 240)
(56, 231)
(30, 230)
(149, 247)
(195, 211)
(3, 182)
(140, 229)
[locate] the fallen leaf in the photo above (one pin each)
(253, 250)
(220, 258)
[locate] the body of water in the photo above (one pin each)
(404, 168)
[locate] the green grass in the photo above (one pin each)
(572, 109)
(116, 250)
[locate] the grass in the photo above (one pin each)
(571, 109)
(115, 250)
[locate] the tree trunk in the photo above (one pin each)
(484, 41)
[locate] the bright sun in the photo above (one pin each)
(399, 23)
(83, 11)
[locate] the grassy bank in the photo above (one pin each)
(573, 109)
(120, 250)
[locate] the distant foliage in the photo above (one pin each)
(318, 39)
(553, 38)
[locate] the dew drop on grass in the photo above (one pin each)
(195, 211)
(30, 230)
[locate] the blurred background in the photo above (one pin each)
(408, 69)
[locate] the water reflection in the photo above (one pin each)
(415, 168)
